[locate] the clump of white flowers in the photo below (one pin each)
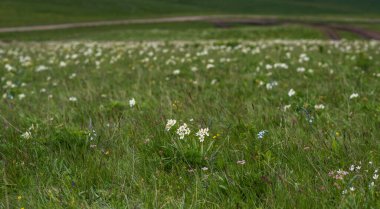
(72, 76)
(303, 58)
(26, 135)
(170, 124)
(354, 95)
(369, 173)
(286, 107)
(202, 133)
(209, 66)
(132, 102)
(41, 68)
(21, 96)
(301, 69)
(183, 130)
(92, 135)
(73, 99)
(241, 162)
(319, 106)
(291, 92)
(272, 84)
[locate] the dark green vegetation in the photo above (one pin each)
(169, 31)
(70, 138)
(32, 12)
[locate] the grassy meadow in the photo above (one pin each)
(190, 124)
(190, 114)
(193, 31)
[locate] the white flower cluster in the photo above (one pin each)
(272, 84)
(170, 124)
(354, 95)
(73, 99)
(202, 133)
(366, 170)
(183, 130)
(26, 135)
(132, 102)
(319, 106)
(291, 92)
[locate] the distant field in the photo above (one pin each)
(170, 31)
(32, 12)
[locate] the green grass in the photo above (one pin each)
(372, 27)
(169, 31)
(348, 35)
(133, 162)
(32, 12)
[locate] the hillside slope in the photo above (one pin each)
(34, 12)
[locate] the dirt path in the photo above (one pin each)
(330, 28)
(102, 23)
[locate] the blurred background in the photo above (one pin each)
(211, 19)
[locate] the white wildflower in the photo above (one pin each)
(319, 106)
(354, 95)
(72, 76)
(170, 124)
(21, 96)
(291, 92)
(301, 69)
(303, 58)
(286, 107)
(73, 99)
(241, 162)
(26, 135)
(375, 177)
(62, 64)
(202, 133)
(183, 130)
(209, 66)
(41, 68)
(272, 84)
(372, 184)
(194, 69)
(132, 102)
